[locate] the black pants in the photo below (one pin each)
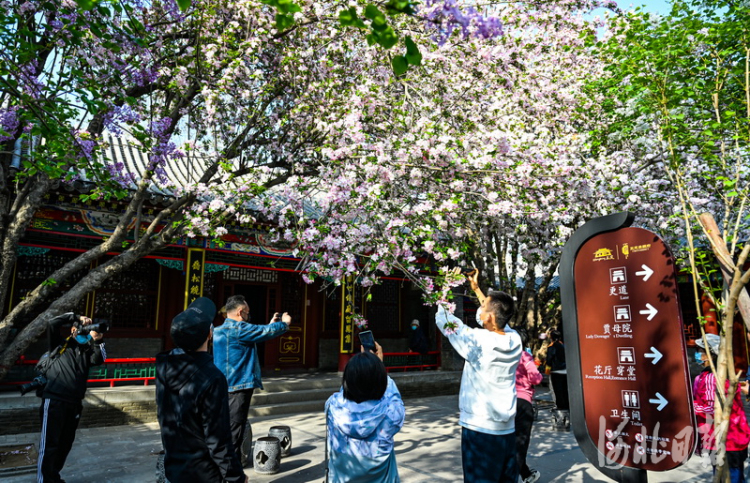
(488, 458)
(59, 424)
(239, 406)
(524, 421)
(559, 387)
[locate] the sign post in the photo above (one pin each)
(628, 378)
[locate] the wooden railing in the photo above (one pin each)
(112, 371)
(406, 361)
(143, 368)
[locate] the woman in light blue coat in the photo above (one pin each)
(362, 419)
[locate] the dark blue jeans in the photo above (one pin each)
(488, 458)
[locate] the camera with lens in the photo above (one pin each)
(100, 327)
(36, 384)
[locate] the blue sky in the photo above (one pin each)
(656, 6)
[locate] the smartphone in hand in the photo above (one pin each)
(367, 340)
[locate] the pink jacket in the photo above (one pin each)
(527, 376)
(704, 391)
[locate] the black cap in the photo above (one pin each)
(190, 328)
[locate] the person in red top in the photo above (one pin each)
(704, 394)
(527, 376)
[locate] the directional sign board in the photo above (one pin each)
(629, 381)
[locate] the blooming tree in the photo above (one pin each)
(250, 103)
(483, 153)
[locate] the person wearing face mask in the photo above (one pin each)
(192, 403)
(417, 340)
(704, 395)
(236, 356)
(487, 398)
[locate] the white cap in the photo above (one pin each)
(713, 342)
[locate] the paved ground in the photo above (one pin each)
(427, 450)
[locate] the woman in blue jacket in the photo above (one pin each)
(362, 419)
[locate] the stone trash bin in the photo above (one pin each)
(267, 455)
(284, 433)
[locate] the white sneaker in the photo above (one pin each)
(532, 477)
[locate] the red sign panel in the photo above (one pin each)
(634, 373)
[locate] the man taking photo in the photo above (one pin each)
(236, 355)
(62, 395)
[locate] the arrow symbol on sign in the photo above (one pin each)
(646, 272)
(650, 310)
(655, 355)
(660, 400)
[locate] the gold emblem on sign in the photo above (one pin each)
(603, 254)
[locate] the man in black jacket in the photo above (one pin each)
(62, 395)
(192, 404)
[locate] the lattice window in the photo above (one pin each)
(238, 274)
(292, 296)
(32, 270)
(382, 311)
(209, 285)
(128, 300)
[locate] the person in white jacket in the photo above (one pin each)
(487, 399)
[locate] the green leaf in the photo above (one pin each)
(346, 17)
(395, 7)
(399, 64)
(86, 4)
(283, 21)
(183, 4)
(413, 56)
(287, 6)
(387, 38)
(372, 12)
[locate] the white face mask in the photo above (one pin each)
(479, 316)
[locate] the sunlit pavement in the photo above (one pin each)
(427, 450)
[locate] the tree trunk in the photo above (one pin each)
(20, 215)
(69, 299)
(83, 261)
(719, 247)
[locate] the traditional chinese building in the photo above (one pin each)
(140, 302)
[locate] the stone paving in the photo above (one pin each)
(427, 450)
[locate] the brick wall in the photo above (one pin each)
(96, 413)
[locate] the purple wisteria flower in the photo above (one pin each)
(118, 115)
(446, 15)
(163, 149)
(8, 123)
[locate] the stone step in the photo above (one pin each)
(309, 406)
(288, 394)
(301, 382)
(266, 398)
